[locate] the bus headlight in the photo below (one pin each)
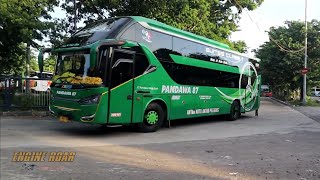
(94, 99)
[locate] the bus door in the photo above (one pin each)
(121, 83)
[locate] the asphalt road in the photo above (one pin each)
(281, 143)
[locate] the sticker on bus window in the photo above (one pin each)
(146, 35)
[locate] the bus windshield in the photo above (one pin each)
(75, 69)
(77, 64)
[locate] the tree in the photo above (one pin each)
(49, 64)
(281, 68)
(215, 19)
(22, 22)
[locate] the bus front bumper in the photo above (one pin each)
(85, 114)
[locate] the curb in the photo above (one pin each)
(282, 102)
(25, 113)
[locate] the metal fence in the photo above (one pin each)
(14, 93)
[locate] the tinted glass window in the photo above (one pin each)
(189, 75)
(141, 61)
(98, 30)
(141, 64)
(143, 35)
(161, 45)
(130, 33)
(185, 48)
(244, 81)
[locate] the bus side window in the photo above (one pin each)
(130, 33)
(244, 81)
(141, 61)
(141, 64)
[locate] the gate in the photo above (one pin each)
(14, 93)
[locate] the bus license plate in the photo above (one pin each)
(64, 119)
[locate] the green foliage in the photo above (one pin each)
(309, 102)
(24, 101)
(22, 22)
(34, 64)
(214, 19)
(281, 69)
(49, 64)
(240, 46)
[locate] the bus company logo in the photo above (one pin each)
(146, 35)
(179, 89)
(43, 156)
(67, 93)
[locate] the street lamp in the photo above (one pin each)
(304, 91)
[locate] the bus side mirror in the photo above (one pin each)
(40, 57)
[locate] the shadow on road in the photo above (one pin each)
(86, 130)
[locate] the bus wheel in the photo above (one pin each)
(153, 118)
(235, 111)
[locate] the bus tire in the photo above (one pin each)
(235, 111)
(153, 118)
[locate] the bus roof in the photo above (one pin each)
(164, 27)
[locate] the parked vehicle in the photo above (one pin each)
(265, 91)
(41, 85)
(316, 91)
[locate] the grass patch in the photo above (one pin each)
(309, 102)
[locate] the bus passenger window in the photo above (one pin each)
(141, 64)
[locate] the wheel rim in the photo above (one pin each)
(152, 117)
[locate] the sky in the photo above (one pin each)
(272, 13)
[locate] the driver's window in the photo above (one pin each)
(122, 68)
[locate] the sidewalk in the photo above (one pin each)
(311, 112)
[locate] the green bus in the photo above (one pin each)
(135, 70)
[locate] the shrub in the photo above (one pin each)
(23, 101)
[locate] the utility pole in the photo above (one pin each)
(304, 91)
(28, 68)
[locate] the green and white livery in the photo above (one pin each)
(134, 70)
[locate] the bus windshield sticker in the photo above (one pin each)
(146, 35)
